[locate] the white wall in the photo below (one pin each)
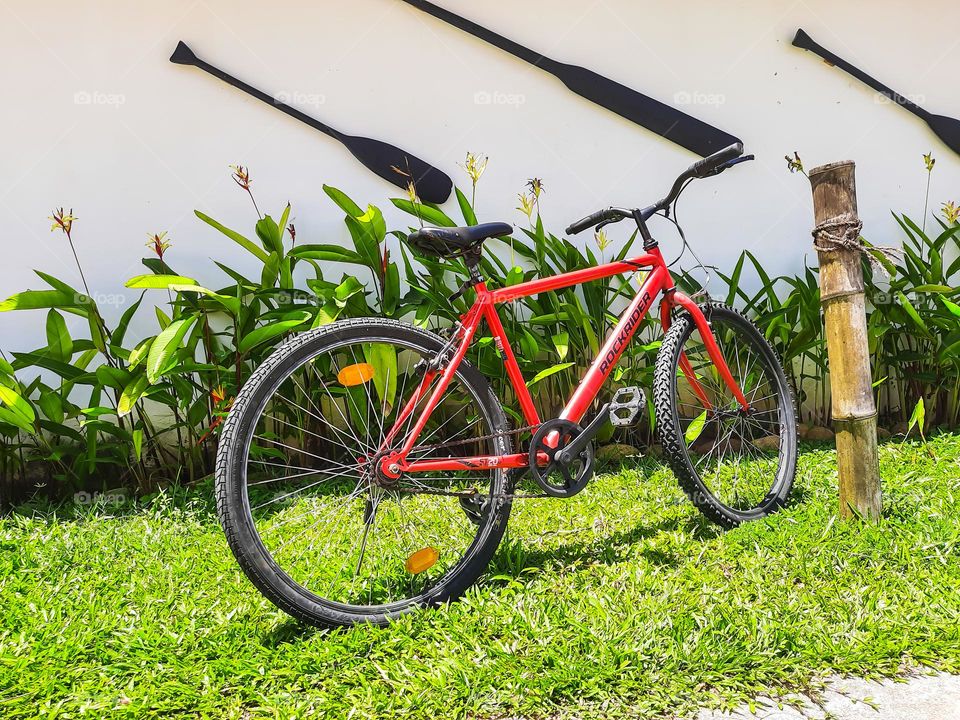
(156, 139)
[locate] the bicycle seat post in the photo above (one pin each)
(472, 260)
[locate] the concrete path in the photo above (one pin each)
(935, 697)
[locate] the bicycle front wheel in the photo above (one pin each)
(312, 523)
(734, 465)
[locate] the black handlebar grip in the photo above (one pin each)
(589, 221)
(702, 168)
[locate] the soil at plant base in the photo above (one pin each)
(818, 433)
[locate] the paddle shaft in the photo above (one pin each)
(804, 41)
(516, 49)
(272, 101)
(668, 122)
(394, 165)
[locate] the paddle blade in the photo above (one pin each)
(802, 40)
(183, 55)
(947, 129)
(669, 122)
(400, 167)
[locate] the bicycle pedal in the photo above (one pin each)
(625, 406)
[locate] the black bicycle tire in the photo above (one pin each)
(233, 509)
(671, 437)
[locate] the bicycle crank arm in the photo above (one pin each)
(577, 445)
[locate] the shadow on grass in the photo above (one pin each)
(294, 631)
(515, 556)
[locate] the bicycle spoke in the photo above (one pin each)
(323, 510)
(727, 454)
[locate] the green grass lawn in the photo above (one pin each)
(619, 603)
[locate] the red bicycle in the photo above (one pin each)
(367, 468)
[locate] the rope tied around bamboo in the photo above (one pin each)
(843, 233)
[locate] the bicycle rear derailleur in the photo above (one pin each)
(569, 453)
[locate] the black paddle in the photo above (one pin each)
(668, 122)
(946, 128)
(391, 163)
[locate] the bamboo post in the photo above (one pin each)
(845, 324)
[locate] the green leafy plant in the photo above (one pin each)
(98, 407)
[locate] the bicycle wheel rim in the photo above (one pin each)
(741, 461)
(478, 536)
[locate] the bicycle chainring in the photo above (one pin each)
(557, 478)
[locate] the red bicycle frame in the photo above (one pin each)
(657, 281)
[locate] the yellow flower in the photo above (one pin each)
(158, 243)
(527, 205)
(929, 160)
(241, 176)
(412, 192)
(62, 220)
(951, 211)
(536, 187)
(474, 166)
(603, 242)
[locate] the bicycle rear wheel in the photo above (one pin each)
(733, 465)
(306, 514)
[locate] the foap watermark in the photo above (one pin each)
(97, 97)
(686, 97)
(914, 99)
(299, 98)
(111, 498)
(913, 297)
(497, 97)
(116, 300)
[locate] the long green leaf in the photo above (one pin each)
(59, 342)
(51, 405)
(270, 234)
(429, 215)
(18, 406)
(912, 312)
(344, 202)
(37, 299)
(469, 216)
(158, 282)
(547, 372)
(239, 239)
(131, 393)
(230, 304)
(15, 419)
(42, 360)
(116, 337)
(329, 253)
(165, 345)
(695, 428)
(268, 332)
(917, 417)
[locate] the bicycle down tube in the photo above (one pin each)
(657, 281)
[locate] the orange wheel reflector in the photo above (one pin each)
(355, 374)
(421, 560)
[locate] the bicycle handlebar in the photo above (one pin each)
(707, 167)
(598, 218)
(711, 163)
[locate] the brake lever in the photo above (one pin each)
(728, 164)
